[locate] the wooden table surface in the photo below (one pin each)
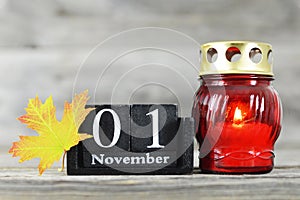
(23, 183)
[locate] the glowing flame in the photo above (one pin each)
(237, 119)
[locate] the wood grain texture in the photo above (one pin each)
(42, 45)
(281, 183)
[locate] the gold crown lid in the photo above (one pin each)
(236, 57)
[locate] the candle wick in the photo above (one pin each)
(249, 120)
(240, 122)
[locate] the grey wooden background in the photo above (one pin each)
(43, 43)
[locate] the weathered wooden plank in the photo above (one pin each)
(59, 23)
(281, 183)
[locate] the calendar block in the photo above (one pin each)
(153, 127)
(134, 139)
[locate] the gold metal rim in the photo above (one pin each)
(217, 58)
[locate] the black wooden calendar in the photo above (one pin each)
(134, 139)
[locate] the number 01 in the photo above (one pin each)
(117, 129)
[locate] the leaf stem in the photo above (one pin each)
(63, 162)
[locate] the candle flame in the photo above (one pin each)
(237, 119)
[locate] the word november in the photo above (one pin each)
(133, 160)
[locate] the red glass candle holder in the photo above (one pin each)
(236, 109)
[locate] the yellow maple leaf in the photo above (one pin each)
(55, 137)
